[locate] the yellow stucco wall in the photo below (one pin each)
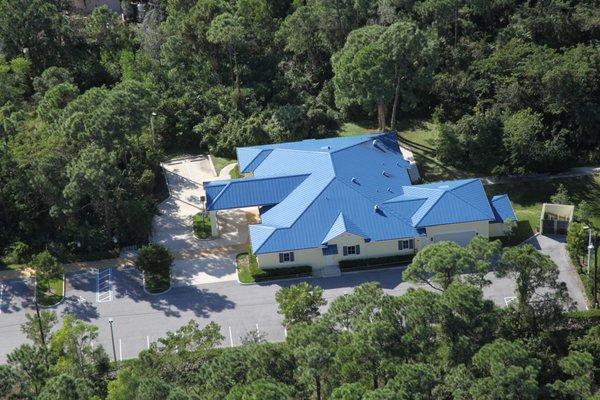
(315, 258)
(481, 227)
(497, 230)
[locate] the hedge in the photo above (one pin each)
(366, 263)
(279, 273)
(583, 319)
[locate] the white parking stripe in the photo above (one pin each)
(104, 292)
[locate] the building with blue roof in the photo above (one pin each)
(325, 200)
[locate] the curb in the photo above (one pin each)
(52, 305)
(156, 294)
(212, 164)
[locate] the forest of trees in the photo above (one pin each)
(89, 105)
(446, 343)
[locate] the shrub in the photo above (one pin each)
(363, 263)
(17, 253)
(155, 259)
(279, 273)
(201, 225)
(576, 241)
(46, 266)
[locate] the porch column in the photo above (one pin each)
(214, 223)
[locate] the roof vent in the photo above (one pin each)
(384, 173)
(376, 207)
(389, 189)
(325, 147)
(375, 142)
(353, 180)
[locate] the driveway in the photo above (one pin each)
(556, 248)
(197, 261)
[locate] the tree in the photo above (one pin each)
(190, 338)
(299, 303)
(66, 387)
(36, 28)
(8, 381)
(362, 73)
(579, 367)
(154, 259)
(505, 370)
(46, 266)
(576, 240)
(72, 345)
(485, 254)
(438, 265)
(413, 55)
(261, 389)
(584, 212)
(349, 391)
(38, 329)
(561, 196)
(467, 321)
(25, 362)
(533, 271)
(152, 389)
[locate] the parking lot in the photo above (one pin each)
(97, 295)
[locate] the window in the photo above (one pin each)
(286, 257)
(351, 250)
(330, 250)
(406, 244)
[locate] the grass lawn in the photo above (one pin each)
(50, 292)
(527, 199)
(247, 267)
(221, 162)
(356, 128)
(157, 283)
(201, 225)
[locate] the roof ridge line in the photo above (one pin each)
(309, 204)
(221, 192)
(465, 201)
(373, 201)
(431, 207)
(366, 139)
(273, 229)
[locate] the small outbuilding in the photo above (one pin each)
(556, 218)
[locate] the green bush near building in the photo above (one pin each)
(201, 225)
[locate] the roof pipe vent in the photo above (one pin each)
(375, 142)
(389, 189)
(353, 180)
(384, 173)
(376, 208)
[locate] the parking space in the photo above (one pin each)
(104, 290)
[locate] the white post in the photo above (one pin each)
(214, 223)
(590, 249)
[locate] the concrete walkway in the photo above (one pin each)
(198, 261)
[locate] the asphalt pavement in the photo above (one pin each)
(141, 318)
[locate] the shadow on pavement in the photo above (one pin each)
(388, 278)
(16, 296)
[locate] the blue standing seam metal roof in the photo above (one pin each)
(316, 190)
(502, 208)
